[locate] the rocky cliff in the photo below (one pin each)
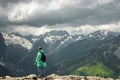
(56, 77)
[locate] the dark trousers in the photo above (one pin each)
(40, 72)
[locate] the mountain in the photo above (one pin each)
(98, 47)
(66, 54)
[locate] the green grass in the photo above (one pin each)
(118, 67)
(97, 69)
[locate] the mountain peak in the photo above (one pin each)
(55, 35)
(56, 32)
(11, 38)
(101, 34)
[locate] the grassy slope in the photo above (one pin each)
(97, 69)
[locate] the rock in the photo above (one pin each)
(49, 78)
(72, 77)
(2, 78)
(31, 76)
(8, 77)
(55, 77)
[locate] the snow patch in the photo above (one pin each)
(34, 39)
(79, 38)
(1, 63)
(49, 39)
(13, 39)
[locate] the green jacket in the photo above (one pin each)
(38, 59)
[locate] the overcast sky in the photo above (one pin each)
(76, 16)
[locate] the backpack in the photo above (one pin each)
(43, 58)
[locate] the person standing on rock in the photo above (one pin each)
(40, 61)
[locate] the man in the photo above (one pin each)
(40, 63)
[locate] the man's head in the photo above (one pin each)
(39, 48)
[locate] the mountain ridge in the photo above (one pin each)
(64, 50)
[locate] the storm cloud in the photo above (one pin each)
(74, 13)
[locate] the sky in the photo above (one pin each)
(75, 16)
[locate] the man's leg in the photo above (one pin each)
(42, 72)
(39, 74)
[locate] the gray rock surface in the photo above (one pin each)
(55, 77)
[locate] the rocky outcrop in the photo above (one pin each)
(55, 77)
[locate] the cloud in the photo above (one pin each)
(72, 30)
(79, 15)
(27, 30)
(86, 29)
(52, 12)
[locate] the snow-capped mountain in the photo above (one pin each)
(61, 48)
(52, 38)
(61, 38)
(102, 34)
(98, 47)
(16, 40)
